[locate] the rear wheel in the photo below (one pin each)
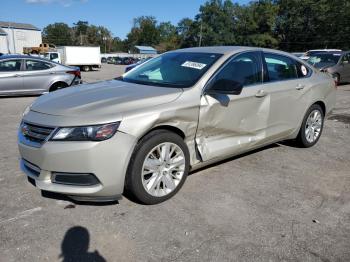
(86, 68)
(158, 167)
(312, 126)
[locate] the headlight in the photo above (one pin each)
(26, 111)
(86, 133)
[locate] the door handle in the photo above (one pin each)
(16, 75)
(300, 87)
(261, 93)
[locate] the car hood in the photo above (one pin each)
(103, 98)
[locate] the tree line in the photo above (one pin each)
(290, 25)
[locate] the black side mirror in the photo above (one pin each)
(225, 86)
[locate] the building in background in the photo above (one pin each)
(15, 36)
(144, 50)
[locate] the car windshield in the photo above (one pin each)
(324, 59)
(176, 69)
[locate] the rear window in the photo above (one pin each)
(280, 67)
(34, 65)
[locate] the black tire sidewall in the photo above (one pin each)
(145, 145)
(302, 138)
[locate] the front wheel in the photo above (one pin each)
(158, 167)
(312, 126)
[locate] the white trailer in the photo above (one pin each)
(85, 57)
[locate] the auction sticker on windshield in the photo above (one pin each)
(194, 65)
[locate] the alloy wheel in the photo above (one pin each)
(163, 169)
(313, 126)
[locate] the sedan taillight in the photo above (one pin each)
(75, 72)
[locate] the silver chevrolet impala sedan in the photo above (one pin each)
(145, 131)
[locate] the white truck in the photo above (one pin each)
(85, 57)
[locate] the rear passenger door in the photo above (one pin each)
(284, 85)
(10, 76)
(37, 75)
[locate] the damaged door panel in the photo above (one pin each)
(228, 124)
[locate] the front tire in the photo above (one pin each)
(312, 126)
(158, 167)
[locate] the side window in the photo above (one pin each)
(245, 69)
(280, 67)
(10, 65)
(345, 59)
(53, 56)
(34, 65)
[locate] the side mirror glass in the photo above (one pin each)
(225, 86)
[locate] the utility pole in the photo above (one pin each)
(201, 34)
(105, 39)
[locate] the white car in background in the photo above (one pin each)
(312, 52)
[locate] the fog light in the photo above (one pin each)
(76, 179)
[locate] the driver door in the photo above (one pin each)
(233, 123)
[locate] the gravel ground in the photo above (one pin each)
(107, 72)
(279, 203)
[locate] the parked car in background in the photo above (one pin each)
(140, 62)
(335, 63)
(103, 60)
(298, 54)
(309, 53)
(110, 60)
(24, 75)
(178, 112)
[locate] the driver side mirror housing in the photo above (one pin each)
(225, 86)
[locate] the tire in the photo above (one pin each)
(155, 187)
(85, 68)
(313, 122)
(57, 86)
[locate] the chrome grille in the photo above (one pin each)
(35, 133)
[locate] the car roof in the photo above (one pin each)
(325, 50)
(21, 57)
(227, 50)
(330, 53)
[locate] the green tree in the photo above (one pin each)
(187, 30)
(58, 34)
(309, 24)
(169, 38)
(215, 23)
(80, 29)
(143, 32)
(254, 24)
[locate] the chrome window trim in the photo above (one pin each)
(289, 57)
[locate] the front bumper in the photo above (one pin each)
(106, 160)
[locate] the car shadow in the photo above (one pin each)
(75, 246)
